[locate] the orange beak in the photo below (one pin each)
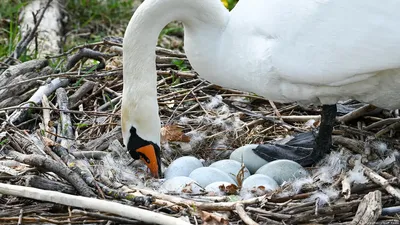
(149, 157)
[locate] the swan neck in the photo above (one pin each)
(139, 102)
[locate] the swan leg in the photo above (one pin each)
(323, 141)
(306, 148)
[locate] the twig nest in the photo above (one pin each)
(221, 188)
(182, 166)
(246, 155)
(283, 170)
(257, 185)
(181, 184)
(231, 167)
(207, 175)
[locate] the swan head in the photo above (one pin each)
(147, 151)
(140, 125)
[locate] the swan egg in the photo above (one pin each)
(231, 167)
(181, 184)
(207, 175)
(258, 184)
(283, 170)
(182, 166)
(221, 188)
(250, 159)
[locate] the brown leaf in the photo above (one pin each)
(212, 219)
(187, 188)
(173, 133)
(113, 63)
(240, 175)
(231, 189)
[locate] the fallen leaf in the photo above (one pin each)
(231, 189)
(212, 219)
(170, 103)
(113, 63)
(187, 188)
(173, 133)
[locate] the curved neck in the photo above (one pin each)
(139, 104)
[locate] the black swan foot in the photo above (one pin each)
(306, 148)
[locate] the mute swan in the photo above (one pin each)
(309, 51)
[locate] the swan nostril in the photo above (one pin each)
(144, 157)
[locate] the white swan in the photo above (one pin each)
(317, 51)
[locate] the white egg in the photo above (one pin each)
(257, 184)
(181, 184)
(283, 170)
(231, 167)
(182, 166)
(250, 159)
(220, 188)
(207, 175)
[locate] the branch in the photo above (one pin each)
(243, 215)
(53, 166)
(90, 203)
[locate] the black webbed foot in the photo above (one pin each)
(306, 148)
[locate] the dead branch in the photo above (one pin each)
(356, 113)
(82, 90)
(46, 184)
(91, 54)
(46, 89)
(51, 165)
(90, 203)
(107, 217)
(65, 125)
(369, 210)
(243, 215)
(381, 181)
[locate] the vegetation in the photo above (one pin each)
(88, 21)
(9, 32)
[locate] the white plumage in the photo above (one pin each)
(308, 50)
(317, 51)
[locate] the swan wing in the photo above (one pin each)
(326, 42)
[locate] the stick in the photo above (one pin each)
(270, 214)
(55, 167)
(85, 88)
(369, 210)
(37, 98)
(381, 181)
(218, 206)
(382, 123)
(90, 203)
(65, 119)
(356, 113)
(243, 215)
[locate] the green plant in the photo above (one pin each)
(3, 142)
(9, 29)
(81, 125)
(172, 30)
(97, 19)
(180, 64)
(229, 4)
(109, 100)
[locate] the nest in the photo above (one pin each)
(62, 161)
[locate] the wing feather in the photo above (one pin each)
(328, 42)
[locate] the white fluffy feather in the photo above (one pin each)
(331, 165)
(356, 174)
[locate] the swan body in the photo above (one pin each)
(309, 51)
